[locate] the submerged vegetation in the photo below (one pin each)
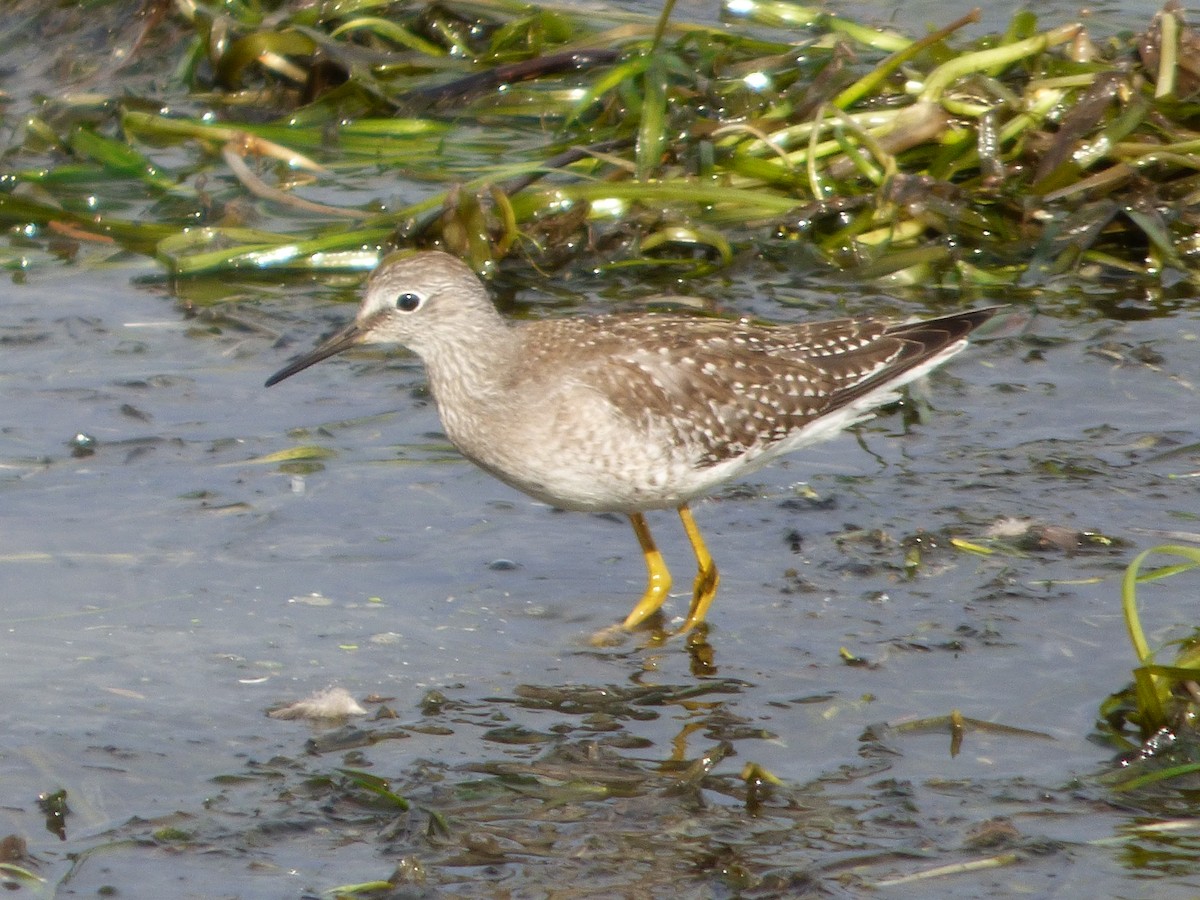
(553, 132)
(1163, 702)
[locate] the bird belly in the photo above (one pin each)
(585, 459)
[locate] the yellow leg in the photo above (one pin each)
(658, 579)
(707, 579)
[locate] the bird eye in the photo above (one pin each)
(408, 301)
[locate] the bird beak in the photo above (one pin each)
(345, 339)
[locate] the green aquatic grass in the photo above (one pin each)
(1156, 685)
(1161, 704)
(948, 157)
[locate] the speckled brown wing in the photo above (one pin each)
(727, 389)
(919, 342)
(735, 392)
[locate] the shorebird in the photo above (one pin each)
(635, 412)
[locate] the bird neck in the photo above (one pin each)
(472, 368)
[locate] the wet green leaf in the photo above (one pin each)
(376, 785)
(294, 454)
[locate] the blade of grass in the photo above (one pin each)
(652, 127)
(941, 78)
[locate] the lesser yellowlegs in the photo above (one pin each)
(628, 413)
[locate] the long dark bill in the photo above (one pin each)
(343, 340)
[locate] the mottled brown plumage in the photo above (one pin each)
(627, 413)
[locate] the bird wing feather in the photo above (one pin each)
(718, 390)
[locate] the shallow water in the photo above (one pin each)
(165, 587)
(165, 590)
